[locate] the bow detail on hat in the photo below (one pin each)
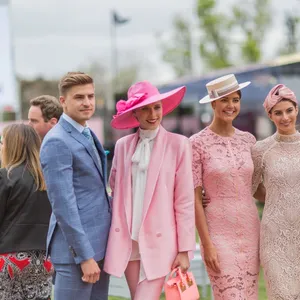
(277, 93)
(135, 99)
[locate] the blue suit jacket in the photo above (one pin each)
(81, 213)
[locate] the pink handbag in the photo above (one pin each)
(181, 287)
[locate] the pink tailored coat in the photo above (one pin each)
(168, 225)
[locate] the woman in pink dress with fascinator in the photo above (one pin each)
(277, 164)
(153, 223)
(229, 225)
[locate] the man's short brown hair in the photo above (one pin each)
(72, 79)
(49, 105)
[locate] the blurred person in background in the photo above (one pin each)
(277, 165)
(25, 273)
(228, 225)
(74, 166)
(44, 113)
(153, 221)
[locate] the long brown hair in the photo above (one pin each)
(22, 146)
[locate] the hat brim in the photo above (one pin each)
(170, 101)
(207, 99)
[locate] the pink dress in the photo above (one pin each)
(223, 167)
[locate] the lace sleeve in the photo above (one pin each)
(257, 155)
(252, 139)
(197, 163)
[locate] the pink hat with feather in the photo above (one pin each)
(141, 94)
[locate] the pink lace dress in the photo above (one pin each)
(223, 167)
(277, 163)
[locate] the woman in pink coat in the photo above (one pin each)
(151, 179)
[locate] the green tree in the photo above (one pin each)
(292, 26)
(178, 52)
(253, 18)
(241, 31)
(215, 27)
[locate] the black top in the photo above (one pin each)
(24, 212)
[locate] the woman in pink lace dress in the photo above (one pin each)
(277, 162)
(229, 225)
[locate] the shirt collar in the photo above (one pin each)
(75, 124)
(150, 134)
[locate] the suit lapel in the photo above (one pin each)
(102, 155)
(156, 160)
(82, 140)
(130, 148)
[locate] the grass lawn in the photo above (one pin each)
(262, 291)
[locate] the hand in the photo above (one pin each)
(211, 258)
(182, 261)
(90, 270)
(205, 199)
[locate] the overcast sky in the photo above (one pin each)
(55, 36)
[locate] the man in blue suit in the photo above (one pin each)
(74, 166)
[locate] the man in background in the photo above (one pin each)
(44, 113)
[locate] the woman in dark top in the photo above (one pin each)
(25, 273)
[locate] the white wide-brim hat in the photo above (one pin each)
(221, 87)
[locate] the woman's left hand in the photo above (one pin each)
(182, 261)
